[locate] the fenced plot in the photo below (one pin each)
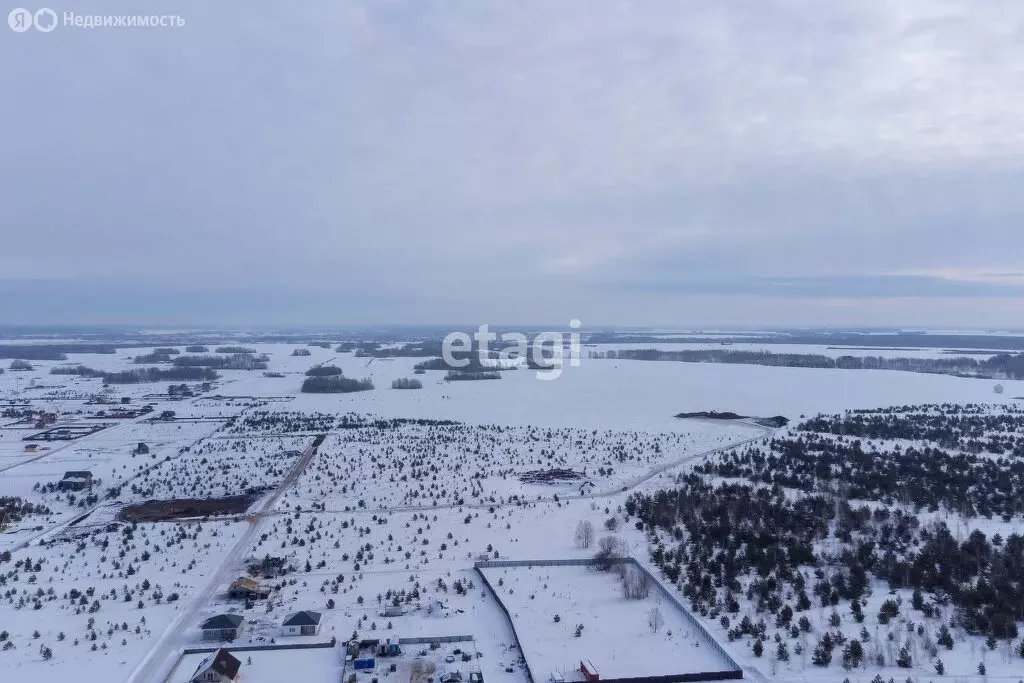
(619, 624)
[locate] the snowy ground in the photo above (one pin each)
(548, 604)
(385, 515)
(416, 466)
(133, 586)
(316, 665)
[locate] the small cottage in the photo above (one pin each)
(220, 667)
(141, 448)
(304, 623)
(75, 480)
(222, 627)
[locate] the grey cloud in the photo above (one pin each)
(421, 155)
(830, 287)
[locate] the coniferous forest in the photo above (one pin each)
(846, 511)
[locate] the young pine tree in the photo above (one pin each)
(945, 638)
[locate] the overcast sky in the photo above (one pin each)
(652, 162)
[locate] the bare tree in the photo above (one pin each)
(635, 585)
(584, 534)
(655, 620)
(609, 549)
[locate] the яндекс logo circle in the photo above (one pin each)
(20, 20)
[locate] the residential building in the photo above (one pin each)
(304, 623)
(75, 480)
(220, 667)
(222, 627)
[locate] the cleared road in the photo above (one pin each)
(165, 650)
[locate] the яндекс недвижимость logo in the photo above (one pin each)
(21, 20)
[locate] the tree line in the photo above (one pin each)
(140, 375)
(998, 367)
(235, 361)
(335, 384)
(323, 371)
(51, 351)
(972, 427)
(924, 477)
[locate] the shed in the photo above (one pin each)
(589, 671)
(219, 667)
(389, 648)
(245, 588)
(304, 623)
(222, 627)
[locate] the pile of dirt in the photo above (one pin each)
(552, 476)
(180, 508)
(774, 421)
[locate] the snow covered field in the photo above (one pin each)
(455, 464)
(621, 637)
(397, 513)
(98, 602)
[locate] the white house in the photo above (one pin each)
(220, 667)
(304, 623)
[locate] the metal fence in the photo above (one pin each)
(699, 627)
(511, 624)
(426, 640)
(735, 672)
(580, 562)
(256, 648)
